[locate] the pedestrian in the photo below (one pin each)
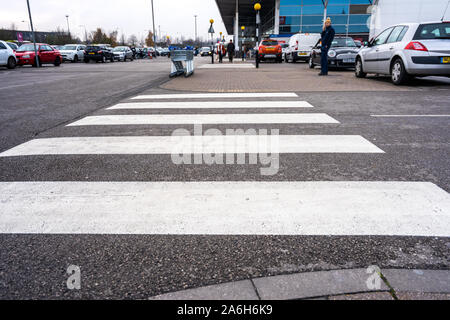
(220, 51)
(230, 50)
(327, 38)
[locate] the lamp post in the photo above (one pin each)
(34, 36)
(68, 29)
(211, 31)
(257, 8)
(242, 43)
(195, 17)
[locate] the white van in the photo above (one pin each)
(300, 46)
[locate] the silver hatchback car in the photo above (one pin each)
(407, 50)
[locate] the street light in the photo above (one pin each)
(211, 31)
(195, 17)
(242, 42)
(34, 36)
(257, 8)
(68, 29)
(153, 20)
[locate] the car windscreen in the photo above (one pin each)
(68, 48)
(433, 31)
(343, 42)
(119, 49)
(12, 45)
(284, 45)
(27, 47)
(206, 49)
(92, 48)
(270, 43)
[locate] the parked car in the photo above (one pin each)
(342, 53)
(123, 53)
(12, 45)
(57, 47)
(7, 56)
(358, 43)
(72, 52)
(46, 55)
(300, 46)
(98, 52)
(407, 50)
(270, 49)
(165, 52)
(205, 51)
(284, 48)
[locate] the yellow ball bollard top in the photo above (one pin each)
(243, 28)
(257, 6)
(211, 21)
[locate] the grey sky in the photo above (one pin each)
(176, 17)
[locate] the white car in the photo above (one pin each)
(300, 46)
(407, 50)
(7, 56)
(72, 52)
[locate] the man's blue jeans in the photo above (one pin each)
(324, 61)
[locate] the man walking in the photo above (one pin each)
(327, 38)
(230, 50)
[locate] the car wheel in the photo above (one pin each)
(311, 63)
(398, 72)
(359, 71)
(86, 60)
(103, 59)
(34, 63)
(11, 63)
(75, 59)
(57, 62)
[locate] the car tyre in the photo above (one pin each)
(398, 72)
(112, 59)
(86, 60)
(103, 59)
(11, 63)
(34, 63)
(311, 63)
(75, 59)
(359, 71)
(57, 62)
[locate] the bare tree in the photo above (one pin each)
(132, 40)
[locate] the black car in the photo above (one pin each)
(342, 53)
(98, 53)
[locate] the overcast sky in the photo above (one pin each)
(176, 17)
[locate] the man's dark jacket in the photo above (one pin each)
(230, 47)
(327, 37)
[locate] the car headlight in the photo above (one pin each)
(27, 56)
(332, 53)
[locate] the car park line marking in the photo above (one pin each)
(228, 66)
(225, 208)
(219, 95)
(220, 118)
(409, 115)
(212, 105)
(201, 144)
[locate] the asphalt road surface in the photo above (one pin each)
(96, 187)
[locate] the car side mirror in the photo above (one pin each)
(366, 44)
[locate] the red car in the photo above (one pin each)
(270, 49)
(46, 54)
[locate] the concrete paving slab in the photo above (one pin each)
(313, 284)
(239, 290)
(418, 280)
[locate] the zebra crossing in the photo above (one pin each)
(216, 207)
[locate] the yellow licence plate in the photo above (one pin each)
(446, 60)
(302, 53)
(91, 52)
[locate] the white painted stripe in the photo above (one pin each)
(219, 118)
(232, 208)
(195, 144)
(219, 95)
(227, 66)
(212, 105)
(409, 115)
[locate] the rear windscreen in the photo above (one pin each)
(270, 43)
(433, 31)
(92, 48)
